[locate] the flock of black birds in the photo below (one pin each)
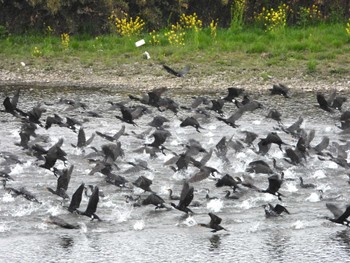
(202, 109)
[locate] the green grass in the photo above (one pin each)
(310, 50)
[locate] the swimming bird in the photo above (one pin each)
(302, 185)
(181, 73)
(207, 196)
(62, 183)
(274, 211)
(186, 198)
(214, 223)
(22, 191)
(171, 196)
(230, 196)
(340, 217)
(55, 220)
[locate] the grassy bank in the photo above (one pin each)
(322, 50)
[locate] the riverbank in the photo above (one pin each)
(147, 75)
(310, 58)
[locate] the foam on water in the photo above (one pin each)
(121, 213)
(215, 205)
(7, 198)
(5, 227)
(139, 225)
(313, 197)
(290, 187)
(319, 174)
(298, 224)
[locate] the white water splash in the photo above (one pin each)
(139, 225)
(332, 165)
(24, 210)
(314, 197)
(291, 187)
(42, 226)
(55, 210)
(4, 227)
(298, 225)
(257, 122)
(319, 174)
(122, 213)
(189, 221)
(7, 198)
(254, 228)
(215, 205)
(83, 228)
(246, 204)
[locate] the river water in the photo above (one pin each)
(142, 234)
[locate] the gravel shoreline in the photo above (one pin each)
(141, 80)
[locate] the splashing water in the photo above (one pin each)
(298, 225)
(139, 225)
(215, 205)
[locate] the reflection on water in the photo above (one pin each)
(141, 234)
(215, 242)
(66, 242)
(343, 239)
(276, 244)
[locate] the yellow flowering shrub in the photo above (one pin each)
(128, 26)
(213, 26)
(155, 39)
(190, 22)
(65, 40)
(36, 52)
(273, 19)
(175, 36)
(309, 15)
(347, 29)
